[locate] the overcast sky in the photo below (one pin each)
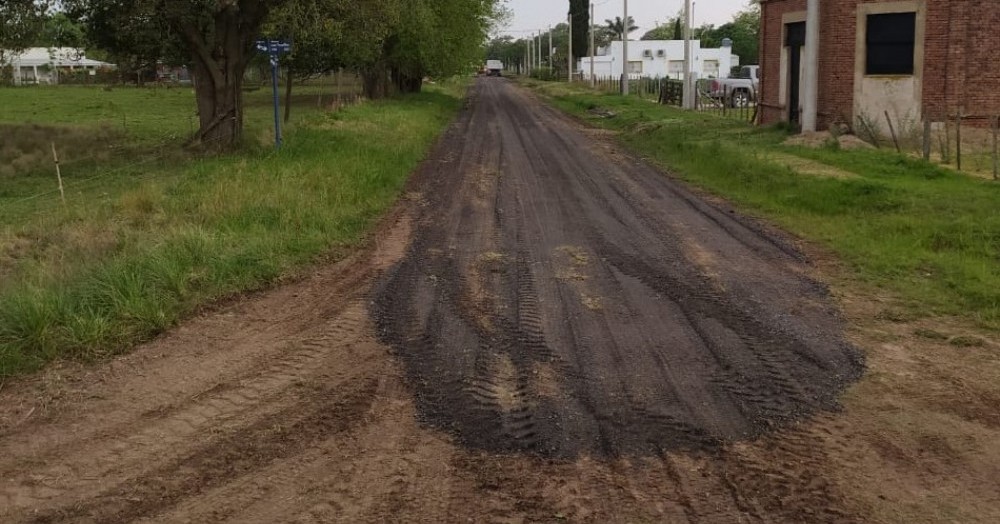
(531, 15)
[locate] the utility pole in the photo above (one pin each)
(550, 51)
(593, 81)
(569, 49)
(688, 91)
(539, 51)
(625, 51)
(527, 57)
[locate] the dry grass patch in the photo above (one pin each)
(805, 166)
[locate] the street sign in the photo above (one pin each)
(275, 48)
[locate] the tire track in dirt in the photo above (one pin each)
(142, 458)
(686, 331)
(520, 308)
(173, 427)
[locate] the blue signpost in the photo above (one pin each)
(274, 48)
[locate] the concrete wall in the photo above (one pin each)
(656, 57)
(899, 95)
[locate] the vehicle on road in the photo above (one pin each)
(738, 91)
(494, 68)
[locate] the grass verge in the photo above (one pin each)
(136, 249)
(928, 234)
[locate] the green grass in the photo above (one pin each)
(926, 233)
(150, 115)
(145, 244)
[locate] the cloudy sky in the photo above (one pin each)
(532, 15)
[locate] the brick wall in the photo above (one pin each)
(772, 109)
(961, 58)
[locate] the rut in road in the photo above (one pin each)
(564, 299)
(536, 324)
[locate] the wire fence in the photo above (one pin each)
(967, 142)
(82, 161)
(712, 96)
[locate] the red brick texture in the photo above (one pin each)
(961, 59)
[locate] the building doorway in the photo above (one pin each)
(795, 39)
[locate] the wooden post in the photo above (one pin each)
(996, 149)
(336, 87)
(927, 138)
(958, 140)
(892, 131)
(55, 157)
(946, 150)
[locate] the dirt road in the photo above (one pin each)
(562, 300)
(545, 329)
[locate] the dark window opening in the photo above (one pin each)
(890, 44)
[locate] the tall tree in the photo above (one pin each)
(579, 10)
(431, 38)
(129, 38)
(216, 35)
(21, 23)
(219, 36)
(660, 32)
(60, 30)
(617, 28)
(678, 32)
(744, 31)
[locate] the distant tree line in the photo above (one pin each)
(392, 44)
(743, 30)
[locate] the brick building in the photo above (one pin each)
(909, 57)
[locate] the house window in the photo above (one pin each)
(676, 66)
(890, 43)
(635, 68)
(711, 67)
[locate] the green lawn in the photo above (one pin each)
(151, 115)
(926, 233)
(144, 240)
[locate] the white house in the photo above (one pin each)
(662, 58)
(42, 65)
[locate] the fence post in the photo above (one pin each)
(996, 150)
(927, 138)
(958, 139)
(892, 131)
(55, 156)
(946, 148)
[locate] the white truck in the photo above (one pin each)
(494, 68)
(737, 91)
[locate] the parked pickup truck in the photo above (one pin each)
(494, 68)
(738, 91)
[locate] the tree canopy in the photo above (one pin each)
(21, 23)
(743, 30)
(393, 44)
(617, 28)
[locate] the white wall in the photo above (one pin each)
(656, 57)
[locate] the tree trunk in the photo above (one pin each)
(220, 51)
(407, 82)
(219, 93)
(376, 81)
